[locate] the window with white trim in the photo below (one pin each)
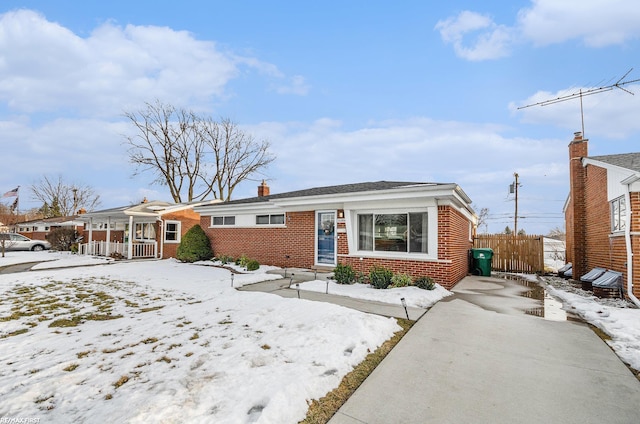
(172, 231)
(618, 214)
(223, 220)
(398, 232)
(275, 219)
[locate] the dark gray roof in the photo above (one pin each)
(625, 160)
(337, 189)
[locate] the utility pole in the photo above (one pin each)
(513, 189)
(515, 219)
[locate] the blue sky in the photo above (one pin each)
(344, 91)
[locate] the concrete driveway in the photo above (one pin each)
(477, 357)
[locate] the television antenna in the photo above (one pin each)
(583, 93)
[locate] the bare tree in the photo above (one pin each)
(193, 156)
(60, 198)
(482, 218)
(236, 154)
(557, 233)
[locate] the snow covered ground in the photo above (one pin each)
(162, 341)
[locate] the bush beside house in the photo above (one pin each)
(194, 246)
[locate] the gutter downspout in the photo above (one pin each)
(627, 238)
(161, 242)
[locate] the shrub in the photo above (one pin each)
(195, 246)
(252, 265)
(225, 259)
(344, 274)
(400, 280)
(242, 261)
(425, 283)
(380, 277)
(62, 238)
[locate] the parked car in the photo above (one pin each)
(13, 241)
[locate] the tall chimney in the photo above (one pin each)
(263, 189)
(576, 235)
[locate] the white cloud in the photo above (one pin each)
(492, 41)
(596, 23)
(610, 114)
(476, 156)
(46, 67)
(296, 85)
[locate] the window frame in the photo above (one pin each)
(272, 219)
(143, 226)
(227, 220)
(177, 231)
(618, 209)
(363, 242)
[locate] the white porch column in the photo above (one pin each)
(107, 247)
(130, 245)
(90, 241)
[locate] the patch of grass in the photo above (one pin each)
(64, 322)
(14, 333)
(121, 381)
(195, 336)
(188, 354)
(152, 308)
(109, 396)
(174, 345)
(225, 321)
(101, 317)
(164, 359)
(81, 355)
(150, 340)
(71, 367)
(265, 347)
(321, 411)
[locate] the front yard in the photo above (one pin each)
(165, 341)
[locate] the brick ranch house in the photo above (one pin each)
(602, 214)
(423, 229)
(154, 229)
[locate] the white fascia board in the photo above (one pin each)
(242, 208)
(340, 199)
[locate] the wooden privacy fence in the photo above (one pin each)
(513, 253)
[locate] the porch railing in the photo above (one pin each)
(104, 248)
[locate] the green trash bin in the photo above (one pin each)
(482, 261)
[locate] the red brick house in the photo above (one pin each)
(423, 229)
(602, 214)
(147, 230)
(39, 229)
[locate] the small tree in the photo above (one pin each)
(508, 230)
(62, 238)
(194, 246)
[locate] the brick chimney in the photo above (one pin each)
(263, 189)
(576, 223)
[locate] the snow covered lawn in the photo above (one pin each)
(163, 341)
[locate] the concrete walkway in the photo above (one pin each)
(476, 357)
(286, 287)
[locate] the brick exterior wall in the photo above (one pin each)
(577, 150)
(590, 242)
(268, 245)
(189, 218)
(272, 245)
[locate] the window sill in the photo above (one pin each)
(395, 255)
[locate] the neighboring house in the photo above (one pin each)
(147, 230)
(601, 213)
(423, 229)
(39, 229)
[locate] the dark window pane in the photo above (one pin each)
(262, 219)
(418, 232)
(217, 220)
(277, 219)
(365, 232)
(391, 233)
(229, 220)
